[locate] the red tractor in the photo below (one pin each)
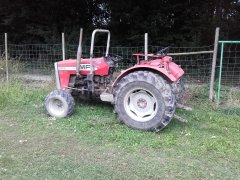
(144, 95)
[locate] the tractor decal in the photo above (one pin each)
(85, 67)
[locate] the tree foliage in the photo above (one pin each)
(172, 22)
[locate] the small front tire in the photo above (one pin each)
(59, 103)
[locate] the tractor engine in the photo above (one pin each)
(104, 68)
(80, 86)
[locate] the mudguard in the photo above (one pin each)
(172, 73)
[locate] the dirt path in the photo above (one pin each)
(35, 77)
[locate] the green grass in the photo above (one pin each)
(93, 144)
(14, 65)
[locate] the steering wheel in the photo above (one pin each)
(115, 57)
(163, 51)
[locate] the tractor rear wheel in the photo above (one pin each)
(59, 103)
(179, 90)
(145, 101)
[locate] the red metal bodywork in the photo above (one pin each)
(68, 67)
(161, 65)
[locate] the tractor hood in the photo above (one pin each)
(65, 69)
(100, 66)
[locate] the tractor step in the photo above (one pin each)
(107, 97)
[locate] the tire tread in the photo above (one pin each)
(161, 84)
(67, 96)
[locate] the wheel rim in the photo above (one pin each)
(140, 104)
(57, 107)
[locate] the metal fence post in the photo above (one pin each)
(6, 56)
(214, 63)
(63, 47)
(146, 45)
(220, 73)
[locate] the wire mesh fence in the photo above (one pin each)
(34, 58)
(124, 52)
(231, 65)
(2, 64)
(35, 62)
(229, 74)
(197, 67)
(1, 49)
(38, 59)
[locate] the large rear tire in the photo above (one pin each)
(179, 90)
(59, 103)
(145, 101)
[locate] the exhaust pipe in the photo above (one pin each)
(79, 52)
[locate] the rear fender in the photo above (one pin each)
(173, 73)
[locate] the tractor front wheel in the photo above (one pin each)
(145, 101)
(59, 103)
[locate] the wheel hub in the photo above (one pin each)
(142, 103)
(58, 104)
